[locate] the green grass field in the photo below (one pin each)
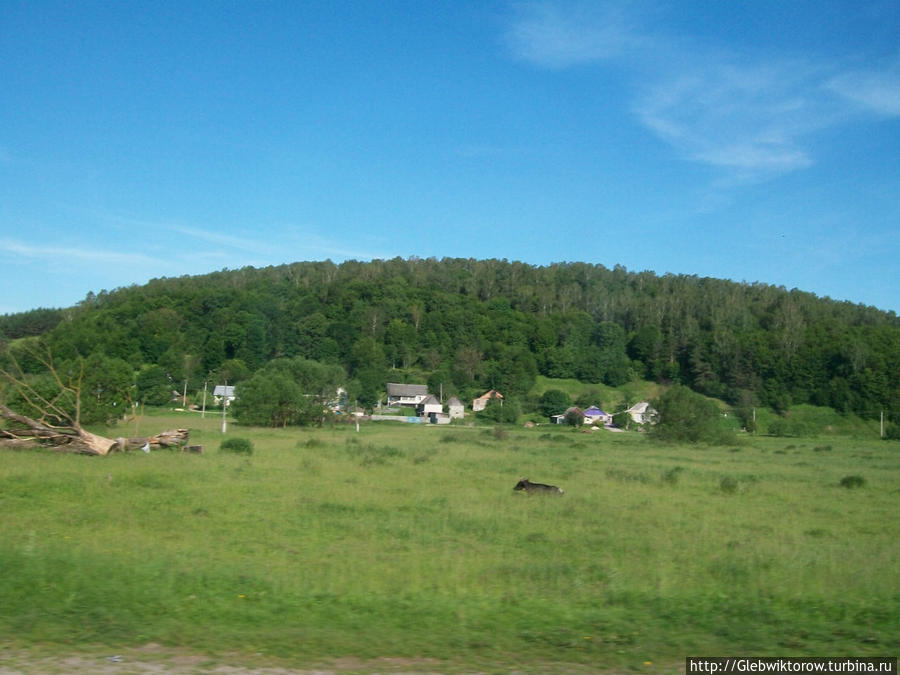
(407, 541)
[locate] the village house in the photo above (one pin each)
(481, 402)
(222, 391)
(594, 415)
(429, 405)
(561, 419)
(642, 413)
(410, 395)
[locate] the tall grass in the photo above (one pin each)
(395, 542)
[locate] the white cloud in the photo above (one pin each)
(258, 245)
(751, 118)
(72, 254)
(876, 91)
(552, 37)
(750, 114)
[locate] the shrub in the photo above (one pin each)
(554, 402)
(685, 416)
(574, 418)
(728, 485)
(500, 411)
(671, 476)
(851, 482)
(237, 445)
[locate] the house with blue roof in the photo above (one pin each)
(594, 415)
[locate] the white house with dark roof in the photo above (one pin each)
(409, 395)
(429, 405)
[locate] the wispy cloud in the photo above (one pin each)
(875, 91)
(259, 245)
(750, 118)
(751, 115)
(279, 243)
(74, 254)
(555, 37)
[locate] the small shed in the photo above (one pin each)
(429, 405)
(456, 408)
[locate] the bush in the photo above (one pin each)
(685, 416)
(728, 485)
(851, 482)
(241, 446)
(622, 420)
(671, 476)
(574, 418)
(554, 402)
(500, 412)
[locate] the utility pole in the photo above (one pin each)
(224, 406)
(184, 396)
(203, 413)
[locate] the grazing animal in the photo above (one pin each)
(539, 488)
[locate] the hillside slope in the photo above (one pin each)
(474, 324)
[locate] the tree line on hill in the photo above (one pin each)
(467, 326)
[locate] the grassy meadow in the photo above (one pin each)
(407, 541)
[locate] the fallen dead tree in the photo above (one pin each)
(173, 438)
(57, 424)
(26, 431)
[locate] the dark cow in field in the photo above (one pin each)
(537, 488)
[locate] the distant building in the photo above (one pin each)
(594, 415)
(406, 394)
(222, 391)
(481, 402)
(428, 406)
(456, 408)
(562, 419)
(642, 413)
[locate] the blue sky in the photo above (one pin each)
(752, 140)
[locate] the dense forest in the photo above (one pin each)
(470, 325)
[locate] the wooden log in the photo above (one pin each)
(75, 439)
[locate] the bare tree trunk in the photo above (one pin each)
(75, 439)
(65, 431)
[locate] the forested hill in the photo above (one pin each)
(475, 324)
